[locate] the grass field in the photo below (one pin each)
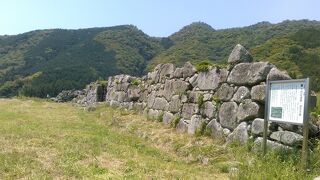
(45, 140)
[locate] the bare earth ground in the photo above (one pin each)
(42, 139)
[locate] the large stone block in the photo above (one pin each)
(121, 82)
(257, 127)
(150, 99)
(249, 110)
(241, 94)
(189, 109)
(193, 80)
(173, 87)
(160, 104)
(207, 97)
(287, 137)
(188, 70)
(195, 123)
(167, 117)
(178, 73)
(249, 73)
(183, 125)
(239, 55)
(276, 74)
(258, 93)
(226, 132)
(153, 114)
(151, 76)
(272, 145)
(122, 96)
(240, 134)
(134, 93)
(208, 109)
(175, 104)
(211, 79)
(144, 96)
(215, 129)
(111, 95)
(225, 92)
(228, 115)
(164, 71)
(193, 96)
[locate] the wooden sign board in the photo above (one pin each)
(287, 102)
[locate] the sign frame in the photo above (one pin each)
(305, 124)
(306, 95)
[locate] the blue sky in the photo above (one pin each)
(154, 17)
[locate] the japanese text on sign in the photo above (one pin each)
(287, 102)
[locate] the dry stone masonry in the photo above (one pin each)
(226, 102)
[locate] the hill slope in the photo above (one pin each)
(46, 61)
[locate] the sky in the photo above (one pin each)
(155, 17)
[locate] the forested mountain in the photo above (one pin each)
(47, 61)
(44, 62)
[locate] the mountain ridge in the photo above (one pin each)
(42, 62)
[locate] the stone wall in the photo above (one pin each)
(227, 103)
(93, 93)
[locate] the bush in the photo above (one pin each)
(201, 129)
(160, 117)
(174, 122)
(203, 66)
(135, 82)
(281, 164)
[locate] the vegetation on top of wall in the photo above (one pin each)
(135, 82)
(102, 82)
(203, 66)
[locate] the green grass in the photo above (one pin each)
(42, 139)
(45, 140)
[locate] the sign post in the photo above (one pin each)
(287, 102)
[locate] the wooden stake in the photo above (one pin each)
(265, 132)
(265, 123)
(305, 149)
